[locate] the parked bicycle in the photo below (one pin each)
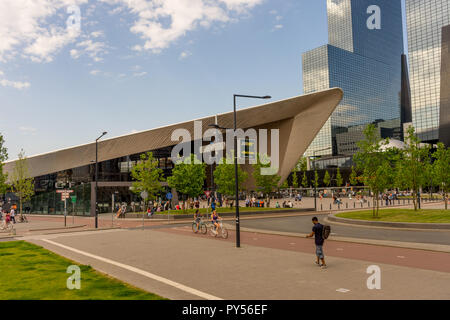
(22, 218)
(221, 230)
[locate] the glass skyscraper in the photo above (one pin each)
(425, 19)
(366, 63)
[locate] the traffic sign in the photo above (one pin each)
(207, 193)
(64, 191)
(169, 196)
(74, 199)
(144, 194)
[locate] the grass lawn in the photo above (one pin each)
(30, 272)
(401, 215)
(221, 210)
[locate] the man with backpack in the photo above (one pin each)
(320, 233)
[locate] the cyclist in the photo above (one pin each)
(215, 220)
(197, 218)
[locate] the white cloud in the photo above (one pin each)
(279, 18)
(278, 26)
(15, 84)
(97, 34)
(185, 54)
(139, 74)
(94, 49)
(28, 130)
(30, 27)
(95, 72)
(160, 23)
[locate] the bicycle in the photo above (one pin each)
(22, 218)
(199, 226)
(221, 228)
(7, 226)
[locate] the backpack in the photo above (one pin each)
(326, 231)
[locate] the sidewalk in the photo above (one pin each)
(217, 268)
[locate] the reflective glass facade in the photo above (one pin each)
(425, 20)
(366, 64)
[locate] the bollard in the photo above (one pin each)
(330, 207)
(321, 207)
(346, 205)
(354, 205)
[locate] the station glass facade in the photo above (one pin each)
(366, 64)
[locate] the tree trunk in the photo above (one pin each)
(378, 203)
(446, 201)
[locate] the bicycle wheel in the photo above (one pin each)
(224, 233)
(212, 232)
(203, 228)
(194, 227)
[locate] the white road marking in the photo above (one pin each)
(342, 290)
(340, 249)
(401, 257)
(139, 271)
(292, 243)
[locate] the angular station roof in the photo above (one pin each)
(308, 113)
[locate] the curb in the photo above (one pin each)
(398, 225)
(384, 243)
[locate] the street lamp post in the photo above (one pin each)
(96, 178)
(314, 165)
(236, 175)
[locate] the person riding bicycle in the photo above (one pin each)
(215, 220)
(197, 217)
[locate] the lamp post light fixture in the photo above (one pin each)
(96, 178)
(314, 165)
(236, 176)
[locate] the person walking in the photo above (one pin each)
(317, 232)
(13, 215)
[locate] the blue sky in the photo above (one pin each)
(59, 89)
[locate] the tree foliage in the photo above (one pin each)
(188, 176)
(374, 164)
(353, 177)
(147, 176)
(441, 170)
(264, 183)
(339, 179)
(3, 175)
(412, 165)
(327, 179)
(305, 180)
(21, 184)
(295, 179)
(224, 177)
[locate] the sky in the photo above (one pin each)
(71, 69)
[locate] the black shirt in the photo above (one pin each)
(318, 230)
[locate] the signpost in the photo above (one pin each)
(64, 196)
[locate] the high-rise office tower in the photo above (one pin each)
(364, 58)
(444, 121)
(425, 20)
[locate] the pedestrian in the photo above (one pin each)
(317, 232)
(13, 215)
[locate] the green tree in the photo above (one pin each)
(339, 179)
(285, 185)
(305, 180)
(327, 179)
(188, 177)
(294, 179)
(302, 164)
(147, 176)
(264, 183)
(316, 179)
(21, 184)
(374, 164)
(412, 164)
(441, 170)
(353, 177)
(3, 175)
(224, 177)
